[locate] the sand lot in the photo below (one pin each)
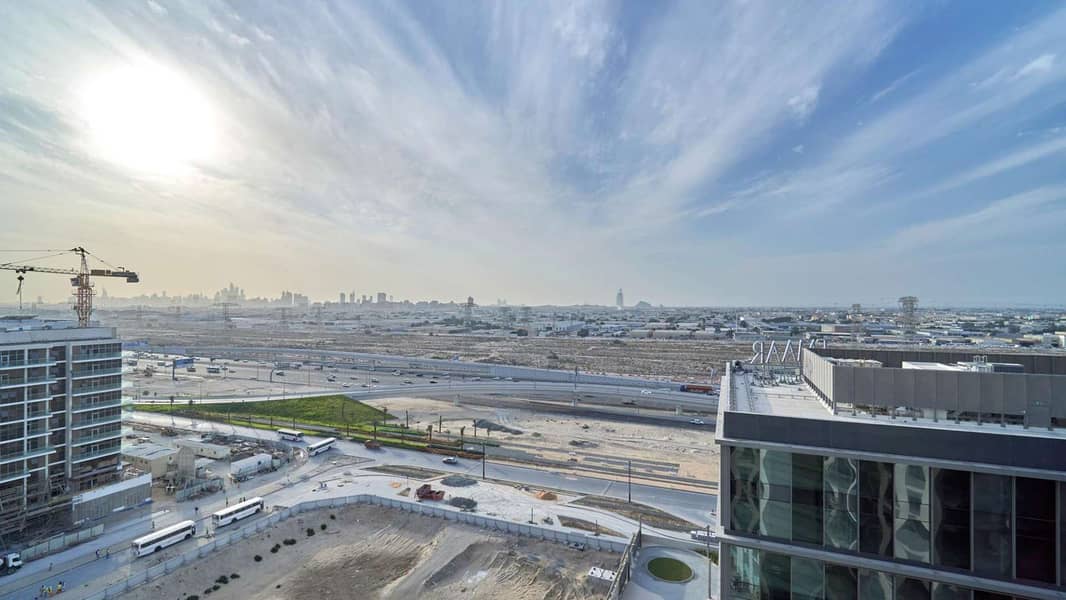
(374, 552)
(661, 449)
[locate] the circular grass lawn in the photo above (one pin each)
(669, 569)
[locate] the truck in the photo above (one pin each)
(12, 561)
(372, 444)
(698, 388)
(426, 492)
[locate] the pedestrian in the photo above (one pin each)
(108, 553)
(59, 588)
(196, 509)
(97, 553)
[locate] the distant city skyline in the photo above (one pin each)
(691, 153)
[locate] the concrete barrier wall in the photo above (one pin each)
(607, 544)
(60, 542)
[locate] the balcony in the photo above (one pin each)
(80, 358)
(107, 435)
(116, 418)
(19, 382)
(83, 373)
(98, 405)
(95, 454)
(7, 475)
(43, 361)
(80, 391)
(26, 454)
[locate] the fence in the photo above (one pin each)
(60, 542)
(625, 567)
(224, 540)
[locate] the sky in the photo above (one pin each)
(691, 153)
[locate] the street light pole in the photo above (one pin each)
(484, 459)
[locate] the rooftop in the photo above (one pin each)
(148, 451)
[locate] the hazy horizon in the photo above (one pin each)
(691, 153)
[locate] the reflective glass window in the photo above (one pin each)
(912, 536)
(992, 537)
(841, 499)
(875, 507)
(951, 518)
(807, 498)
(1034, 505)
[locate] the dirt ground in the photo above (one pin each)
(659, 449)
(374, 552)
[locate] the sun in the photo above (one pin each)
(148, 118)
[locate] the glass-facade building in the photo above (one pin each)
(817, 505)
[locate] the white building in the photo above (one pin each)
(60, 417)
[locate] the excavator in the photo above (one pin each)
(81, 278)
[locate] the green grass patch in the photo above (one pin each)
(337, 411)
(669, 569)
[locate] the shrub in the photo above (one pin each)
(275, 549)
(310, 531)
(234, 576)
(332, 517)
(257, 558)
(215, 587)
(289, 542)
(207, 591)
(192, 597)
(222, 579)
(323, 527)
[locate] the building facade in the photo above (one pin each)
(859, 478)
(60, 419)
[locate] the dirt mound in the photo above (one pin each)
(463, 503)
(458, 481)
(546, 495)
(493, 426)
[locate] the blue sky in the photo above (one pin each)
(707, 153)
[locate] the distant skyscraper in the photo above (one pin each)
(342, 298)
(619, 301)
(381, 297)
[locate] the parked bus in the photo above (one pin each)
(168, 536)
(238, 511)
(320, 447)
(290, 435)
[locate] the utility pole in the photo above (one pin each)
(484, 459)
(629, 477)
(406, 419)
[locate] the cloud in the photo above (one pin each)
(802, 104)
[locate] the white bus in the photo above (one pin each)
(320, 447)
(157, 540)
(290, 435)
(237, 512)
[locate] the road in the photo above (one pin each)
(692, 506)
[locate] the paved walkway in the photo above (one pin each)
(644, 586)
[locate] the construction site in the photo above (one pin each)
(378, 552)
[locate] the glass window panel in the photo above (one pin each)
(841, 485)
(992, 525)
(776, 579)
(808, 579)
(745, 582)
(951, 518)
(911, 589)
(874, 585)
(775, 494)
(911, 512)
(943, 591)
(841, 583)
(875, 508)
(807, 498)
(1035, 529)
(744, 484)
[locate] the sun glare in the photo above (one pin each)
(149, 118)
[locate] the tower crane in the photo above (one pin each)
(80, 279)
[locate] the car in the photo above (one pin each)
(702, 535)
(510, 379)
(190, 369)
(433, 381)
(373, 381)
(420, 375)
(645, 392)
(396, 373)
(407, 381)
(331, 379)
(346, 385)
(450, 460)
(696, 421)
(366, 385)
(476, 379)
(354, 378)
(280, 373)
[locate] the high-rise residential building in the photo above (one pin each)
(60, 422)
(619, 300)
(894, 474)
